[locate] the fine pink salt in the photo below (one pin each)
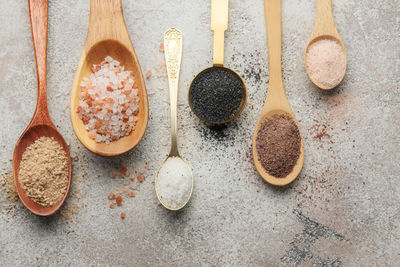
(326, 62)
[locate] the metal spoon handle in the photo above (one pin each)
(173, 57)
(219, 24)
(38, 17)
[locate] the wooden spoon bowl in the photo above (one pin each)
(30, 135)
(266, 115)
(324, 28)
(108, 36)
(41, 124)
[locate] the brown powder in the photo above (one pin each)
(43, 172)
(322, 131)
(8, 187)
(278, 145)
(10, 192)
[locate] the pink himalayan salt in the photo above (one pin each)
(326, 62)
(109, 102)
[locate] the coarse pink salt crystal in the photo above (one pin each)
(148, 74)
(108, 103)
(326, 62)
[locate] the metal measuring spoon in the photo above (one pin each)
(212, 90)
(173, 57)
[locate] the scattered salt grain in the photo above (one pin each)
(140, 178)
(148, 74)
(326, 62)
(105, 100)
(174, 183)
(118, 199)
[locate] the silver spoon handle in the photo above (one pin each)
(173, 57)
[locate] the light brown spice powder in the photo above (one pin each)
(8, 187)
(43, 172)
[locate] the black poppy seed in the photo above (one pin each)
(215, 132)
(216, 94)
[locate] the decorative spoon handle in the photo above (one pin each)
(173, 57)
(219, 24)
(38, 17)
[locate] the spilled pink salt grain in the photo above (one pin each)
(326, 62)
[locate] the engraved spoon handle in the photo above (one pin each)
(173, 57)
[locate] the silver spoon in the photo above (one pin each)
(173, 57)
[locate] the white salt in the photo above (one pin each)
(326, 62)
(174, 184)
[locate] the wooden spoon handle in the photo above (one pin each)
(106, 22)
(219, 24)
(274, 34)
(325, 24)
(38, 17)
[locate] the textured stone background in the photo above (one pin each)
(343, 210)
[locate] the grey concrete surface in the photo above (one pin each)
(343, 210)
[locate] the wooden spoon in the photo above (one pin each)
(324, 28)
(108, 36)
(41, 124)
(276, 102)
